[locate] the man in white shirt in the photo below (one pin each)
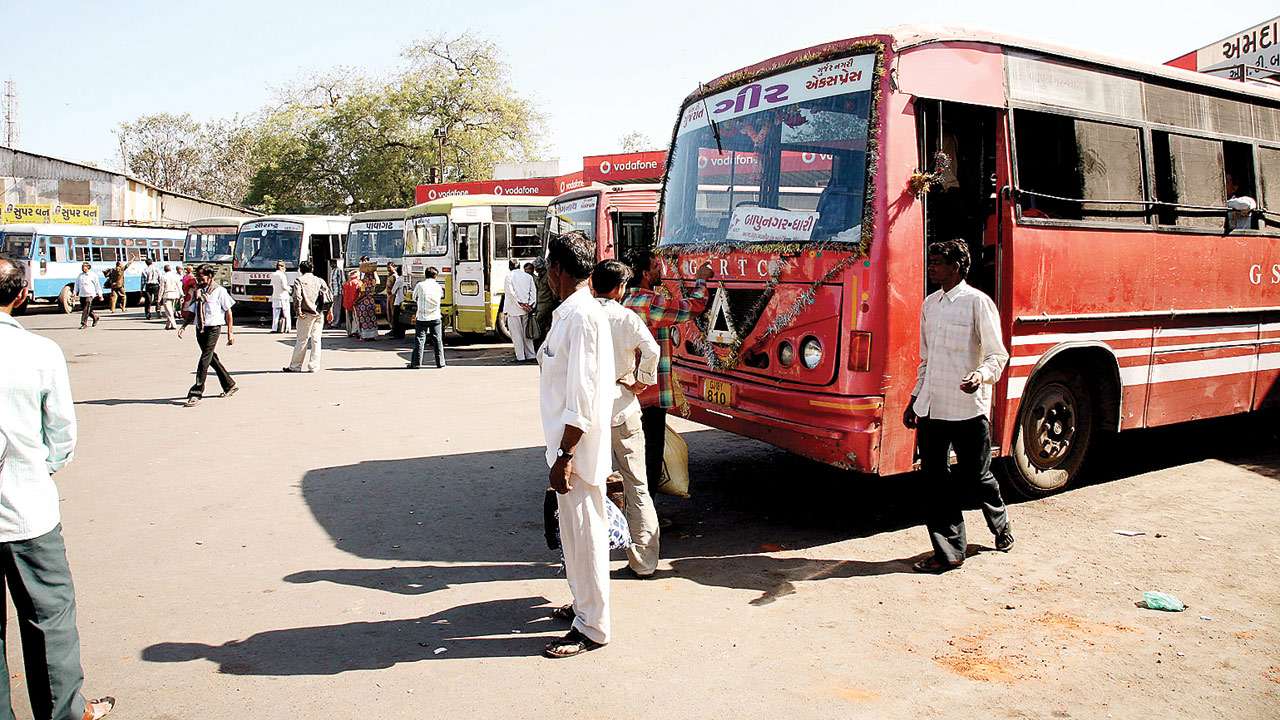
(631, 340)
(427, 294)
(312, 299)
(170, 293)
(88, 289)
(281, 317)
(211, 310)
(37, 438)
(395, 294)
(151, 287)
(1240, 207)
(519, 295)
(961, 357)
(577, 391)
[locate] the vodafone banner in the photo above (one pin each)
(528, 187)
(624, 167)
(572, 181)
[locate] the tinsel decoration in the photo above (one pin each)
(922, 182)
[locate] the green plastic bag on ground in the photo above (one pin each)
(1162, 601)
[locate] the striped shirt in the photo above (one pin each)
(661, 312)
(959, 334)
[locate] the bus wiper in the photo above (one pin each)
(715, 129)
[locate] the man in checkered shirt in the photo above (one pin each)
(961, 357)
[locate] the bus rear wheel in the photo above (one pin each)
(500, 328)
(1055, 426)
(66, 299)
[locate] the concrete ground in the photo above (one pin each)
(367, 542)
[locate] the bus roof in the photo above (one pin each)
(219, 221)
(905, 37)
(605, 190)
(93, 230)
(442, 206)
(368, 215)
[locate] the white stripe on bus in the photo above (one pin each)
(1223, 330)
(1136, 352)
(1055, 338)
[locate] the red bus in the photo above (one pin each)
(618, 205)
(1093, 193)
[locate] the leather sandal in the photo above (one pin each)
(936, 565)
(100, 708)
(573, 643)
(565, 612)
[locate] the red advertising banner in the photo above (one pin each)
(624, 167)
(572, 181)
(528, 187)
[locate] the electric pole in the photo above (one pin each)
(10, 114)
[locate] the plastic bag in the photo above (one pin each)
(675, 466)
(1162, 601)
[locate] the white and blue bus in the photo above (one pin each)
(52, 254)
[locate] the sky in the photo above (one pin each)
(596, 71)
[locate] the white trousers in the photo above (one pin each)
(310, 330)
(642, 516)
(584, 538)
(523, 345)
(280, 320)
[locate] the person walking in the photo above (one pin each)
(151, 287)
(635, 362)
(395, 293)
(37, 439)
(336, 277)
(350, 292)
(660, 312)
(170, 293)
(367, 307)
(88, 289)
(519, 296)
(545, 303)
(281, 315)
(188, 286)
(311, 297)
(211, 311)
(115, 283)
(427, 294)
(961, 357)
(576, 397)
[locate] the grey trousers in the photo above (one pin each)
(38, 580)
(948, 487)
(642, 516)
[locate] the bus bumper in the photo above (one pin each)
(834, 429)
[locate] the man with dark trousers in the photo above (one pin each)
(961, 357)
(211, 311)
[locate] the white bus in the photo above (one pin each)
(262, 242)
(211, 241)
(379, 236)
(52, 254)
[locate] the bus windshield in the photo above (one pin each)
(16, 246)
(380, 242)
(577, 214)
(209, 244)
(261, 249)
(783, 159)
(427, 235)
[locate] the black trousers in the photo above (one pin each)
(208, 340)
(427, 331)
(654, 422)
(38, 581)
(948, 487)
(151, 298)
(86, 311)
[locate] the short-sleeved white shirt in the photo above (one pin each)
(216, 305)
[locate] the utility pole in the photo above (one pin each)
(10, 114)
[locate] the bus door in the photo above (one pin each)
(324, 251)
(632, 232)
(470, 274)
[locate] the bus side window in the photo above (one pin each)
(1189, 171)
(1269, 175)
(501, 241)
(107, 254)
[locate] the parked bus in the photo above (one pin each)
(470, 239)
(211, 241)
(52, 254)
(619, 218)
(292, 238)
(1092, 192)
(379, 236)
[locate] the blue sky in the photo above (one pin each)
(596, 70)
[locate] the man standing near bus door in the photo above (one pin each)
(519, 295)
(211, 310)
(635, 362)
(576, 393)
(151, 287)
(88, 289)
(427, 295)
(660, 313)
(37, 438)
(281, 316)
(395, 293)
(311, 297)
(961, 357)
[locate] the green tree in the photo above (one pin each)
(163, 149)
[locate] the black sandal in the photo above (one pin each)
(573, 643)
(565, 612)
(934, 564)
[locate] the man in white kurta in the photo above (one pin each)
(521, 294)
(577, 393)
(281, 316)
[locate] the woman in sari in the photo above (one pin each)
(366, 304)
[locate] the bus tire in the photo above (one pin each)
(500, 328)
(1056, 424)
(66, 298)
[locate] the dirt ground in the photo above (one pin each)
(367, 542)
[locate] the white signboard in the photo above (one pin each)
(756, 224)
(573, 206)
(1257, 49)
(370, 225)
(837, 77)
(258, 225)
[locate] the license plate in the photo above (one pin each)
(259, 298)
(717, 392)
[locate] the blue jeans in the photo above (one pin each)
(424, 329)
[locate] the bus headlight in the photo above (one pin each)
(786, 353)
(811, 352)
(675, 337)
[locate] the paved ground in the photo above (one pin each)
(366, 542)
